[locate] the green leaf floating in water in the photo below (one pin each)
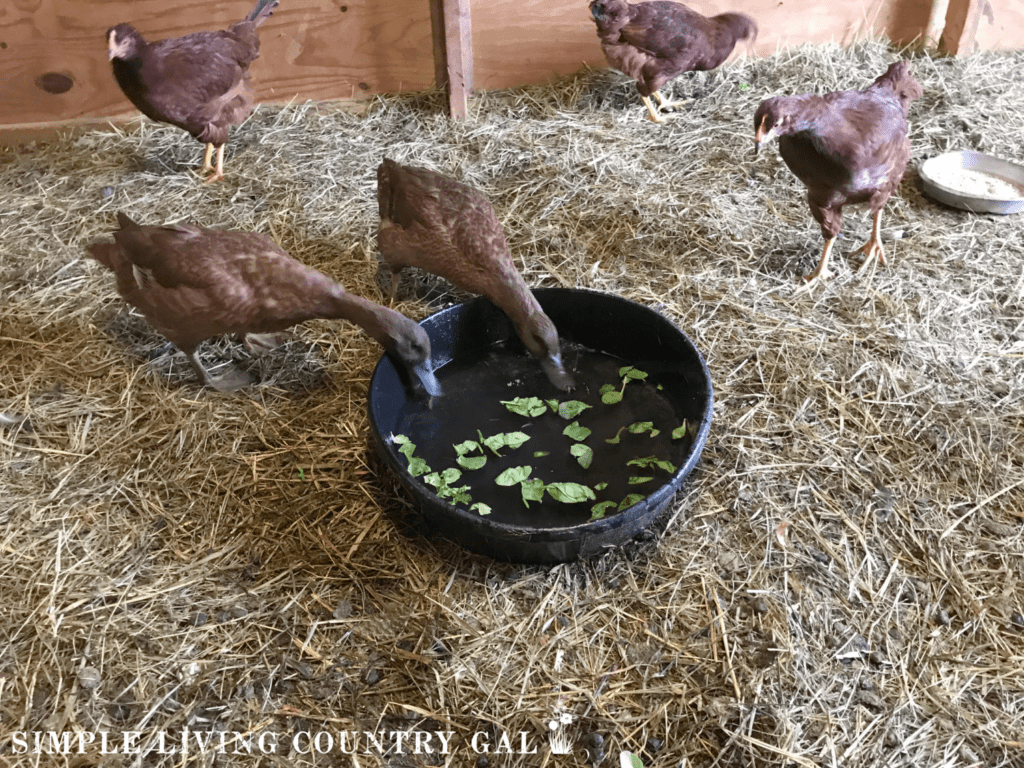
(652, 461)
(597, 511)
(480, 507)
(576, 432)
(533, 490)
(460, 495)
(442, 483)
(583, 453)
(469, 462)
(418, 466)
(610, 395)
(639, 480)
(569, 493)
(526, 406)
(465, 447)
(600, 486)
(630, 500)
(570, 409)
(510, 439)
(513, 475)
(629, 372)
(541, 454)
(680, 431)
(515, 439)
(407, 447)
(639, 427)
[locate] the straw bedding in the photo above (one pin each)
(839, 585)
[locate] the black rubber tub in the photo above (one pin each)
(480, 362)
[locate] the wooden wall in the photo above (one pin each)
(53, 64)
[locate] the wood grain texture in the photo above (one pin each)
(310, 49)
(458, 33)
(962, 17)
(313, 49)
(537, 39)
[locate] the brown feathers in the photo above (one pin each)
(433, 222)
(193, 283)
(199, 82)
(846, 147)
(653, 42)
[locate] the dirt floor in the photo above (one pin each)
(838, 585)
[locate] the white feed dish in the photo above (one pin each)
(974, 182)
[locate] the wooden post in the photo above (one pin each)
(962, 17)
(453, 52)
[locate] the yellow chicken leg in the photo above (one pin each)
(872, 249)
(821, 273)
(207, 159)
(653, 115)
(219, 172)
(662, 104)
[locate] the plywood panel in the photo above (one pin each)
(542, 38)
(319, 49)
(326, 49)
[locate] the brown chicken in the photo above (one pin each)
(655, 41)
(433, 222)
(847, 147)
(194, 283)
(199, 82)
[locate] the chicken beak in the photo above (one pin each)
(423, 374)
(759, 135)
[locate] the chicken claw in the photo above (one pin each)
(872, 249)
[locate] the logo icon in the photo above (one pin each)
(560, 740)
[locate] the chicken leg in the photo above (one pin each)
(821, 273)
(655, 115)
(233, 379)
(662, 104)
(218, 171)
(207, 159)
(651, 112)
(872, 249)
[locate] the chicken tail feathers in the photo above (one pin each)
(397, 190)
(740, 26)
(386, 183)
(898, 80)
(124, 221)
(261, 11)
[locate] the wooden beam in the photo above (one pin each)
(453, 52)
(962, 17)
(440, 54)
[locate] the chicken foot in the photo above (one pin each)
(651, 112)
(218, 171)
(662, 104)
(226, 382)
(872, 249)
(821, 273)
(655, 114)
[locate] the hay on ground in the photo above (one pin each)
(839, 585)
